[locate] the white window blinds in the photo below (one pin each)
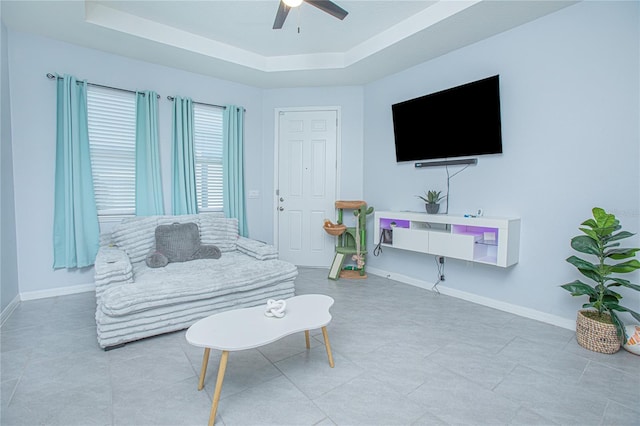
(112, 132)
(207, 123)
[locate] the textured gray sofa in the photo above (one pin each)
(135, 301)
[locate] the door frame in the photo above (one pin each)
(276, 160)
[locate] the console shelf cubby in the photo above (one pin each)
(489, 240)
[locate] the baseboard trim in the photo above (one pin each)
(470, 297)
(6, 312)
(60, 291)
(556, 320)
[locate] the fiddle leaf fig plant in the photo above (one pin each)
(600, 239)
(432, 197)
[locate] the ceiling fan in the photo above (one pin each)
(324, 5)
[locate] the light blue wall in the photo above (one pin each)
(33, 107)
(570, 120)
(569, 99)
(31, 57)
(8, 255)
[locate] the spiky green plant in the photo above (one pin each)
(432, 197)
(600, 240)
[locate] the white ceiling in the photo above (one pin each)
(234, 40)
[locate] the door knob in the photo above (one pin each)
(281, 208)
(281, 199)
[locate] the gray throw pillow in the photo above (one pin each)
(155, 259)
(179, 242)
(209, 252)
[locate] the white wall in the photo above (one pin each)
(570, 120)
(8, 261)
(349, 100)
(33, 122)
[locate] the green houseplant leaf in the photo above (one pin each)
(619, 254)
(624, 283)
(600, 240)
(581, 263)
(578, 288)
(625, 267)
(585, 244)
(620, 236)
(603, 219)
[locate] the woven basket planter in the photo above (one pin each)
(596, 336)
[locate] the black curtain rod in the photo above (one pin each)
(53, 77)
(171, 98)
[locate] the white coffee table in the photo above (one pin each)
(249, 328)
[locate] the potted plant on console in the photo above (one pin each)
(432, 199)
(598, 326)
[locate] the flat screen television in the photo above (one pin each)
(457, 122)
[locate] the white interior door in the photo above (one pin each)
(306, 187)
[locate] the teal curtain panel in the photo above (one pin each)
(184, 197)
(149, 200)
(76, 233)
(233, 166)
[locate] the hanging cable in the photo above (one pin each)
(377, 250)
(448, 184)
(440, 277)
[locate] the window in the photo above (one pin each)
(112, 139)
(111, 118)
(207, 141)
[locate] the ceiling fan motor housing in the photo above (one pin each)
(326, 6)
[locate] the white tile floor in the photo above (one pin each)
(403, 356)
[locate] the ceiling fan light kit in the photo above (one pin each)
(292, 3)
(326, 6)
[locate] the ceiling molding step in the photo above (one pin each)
(127, 23)
(116, 20)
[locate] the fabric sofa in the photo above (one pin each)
(135, 301)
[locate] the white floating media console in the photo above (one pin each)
(490, 240)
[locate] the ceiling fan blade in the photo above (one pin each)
(330, 7)
(281, 15)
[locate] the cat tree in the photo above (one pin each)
(351, 243)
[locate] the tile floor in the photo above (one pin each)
(403, 356)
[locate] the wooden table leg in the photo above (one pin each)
(216, 393)
(203, 370)
(327, 345)
(306, 338)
